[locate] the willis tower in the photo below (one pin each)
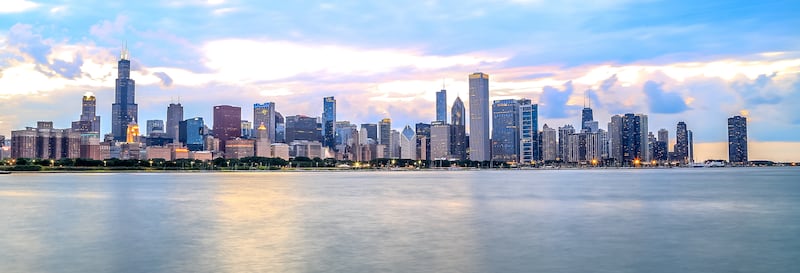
(124, 110)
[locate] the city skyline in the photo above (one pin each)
(45, 67)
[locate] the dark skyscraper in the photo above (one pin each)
(329, 122)
(458, 144)
(682, 143)
(631, 139)
(227, 123)
(423, 131)
(124, 110)
(372, 131)
(384, 135)
(737, 140)
(174, 117)
(441, 106)
(479, 146)
(301, 128)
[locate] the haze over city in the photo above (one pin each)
(699, 63)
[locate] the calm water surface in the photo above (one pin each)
(676, 220)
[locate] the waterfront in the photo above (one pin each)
(621, 220)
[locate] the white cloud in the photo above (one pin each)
(16, 6)
(249, 61)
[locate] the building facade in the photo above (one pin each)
(737, 140)
(479, 145)
(227, 124)
(264, 113)
(329, 122)
(174, 117)
(441, 106)
(124, 110)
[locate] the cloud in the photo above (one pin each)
(17, 6)
(105, 30)
(758, 91)
(166, 81)
(662, 102)
(554, 101)
(251, 61)
(23, 38)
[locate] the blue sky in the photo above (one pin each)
(674, 60)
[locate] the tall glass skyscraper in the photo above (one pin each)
(89, 123)
(264, 113)
(441, 106)
(529, 143)
(384, 136)
(329, 122)
(191, 133)
(737, 140)
(631, 139)
(505, 130)
(479, 117)
(124, 110)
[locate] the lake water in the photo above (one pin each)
(667, 220)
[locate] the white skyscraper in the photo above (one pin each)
(479, 117)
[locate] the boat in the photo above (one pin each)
(5, 172)
(714, 163)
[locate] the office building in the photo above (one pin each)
(264, 113)
(408, 143)
(174, 117)
(89, 123)
(564, 141)
(280, 128)
(227, 124)
(191, 133)
(300, 127)
(247, 130)
(529, 142)
(441, 106)
(155, 127)
(329, 122)
(549, 144)
(479, 145)
(505, 131)
(440, 141)
(124, 110)
(384, 136)
(458, 143)
(423, 131)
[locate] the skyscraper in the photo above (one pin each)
(227, 123)
(529, 143)
(190, 132)
(479, 117)
(691, 146)
(615, 138)
(264, 113)
(124, 110)
(586, 116)
(408, 143)
(441, 106)
(458, 144)
(505, 131)
(564, 141)
(643, 131)
(440, 140)
(247, 129)
(549, 144)
(371, 131)
(174, 117)
(384, 135)
(632, 140)
(737, 140)
(682, 143)
(423, 131)
(329, 122)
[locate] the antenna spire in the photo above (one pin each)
(124, 54)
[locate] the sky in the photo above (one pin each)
(697, 62)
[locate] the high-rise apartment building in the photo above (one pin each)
(615, 139)
(564, 141)
(737, 140)
(479, 145)
(682, 143)
(124, 110)
(549, 143)
(632, 139)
